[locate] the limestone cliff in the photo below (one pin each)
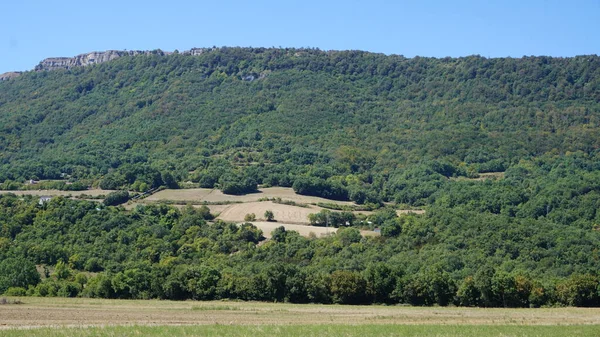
(82, 60)
(54, 63)
(9, 75)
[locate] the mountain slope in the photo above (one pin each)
(349, 111)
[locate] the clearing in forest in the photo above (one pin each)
(215, 196)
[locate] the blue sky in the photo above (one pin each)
(33, 30)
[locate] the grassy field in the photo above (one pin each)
(95, 317)
(312, 330)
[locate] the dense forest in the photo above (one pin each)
(345, 125)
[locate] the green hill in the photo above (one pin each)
(272, 115)
(344, 125)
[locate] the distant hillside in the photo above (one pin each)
(242, 115)
(386, 132)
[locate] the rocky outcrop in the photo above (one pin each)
(54, 63)
(197, 51)
(9, 75)
(83, 60)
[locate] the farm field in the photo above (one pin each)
(95, 317)
(304, 230)
(283, 213)
(213, 195)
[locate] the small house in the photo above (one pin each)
(44, 199)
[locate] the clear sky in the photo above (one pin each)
(31, 30)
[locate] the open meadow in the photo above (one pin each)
(98, 317)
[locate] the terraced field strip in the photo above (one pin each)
(94, 192)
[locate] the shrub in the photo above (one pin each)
(17, 273)
(15, 291)
(116, 198)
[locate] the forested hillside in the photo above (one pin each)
(353, 120)
(348, 125)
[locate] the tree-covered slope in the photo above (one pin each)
(344, 125)
(272, 115)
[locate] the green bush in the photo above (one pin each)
(116, 198)
(15, 291)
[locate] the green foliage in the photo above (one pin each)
(62, 271)
(15, 291)
(116, 198)
(348, 287)
(579, 291)
(374, 129)
(334, 219)
(17, 272)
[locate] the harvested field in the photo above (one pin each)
(217, 209)
(194, 194)
(47, 312)
(283, 213)
(209, 195)
(304, 230)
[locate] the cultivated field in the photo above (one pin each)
(96, 317)
(304, 230)
(213, 195)
(293, 218)
(283, 213)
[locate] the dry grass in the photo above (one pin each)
(195, 194)
(283, 213)
(41, 312)
(209, 195)
(304, 230)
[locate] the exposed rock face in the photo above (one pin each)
(54, 63)
(82, 60)
(196, 51)
(9, 75)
